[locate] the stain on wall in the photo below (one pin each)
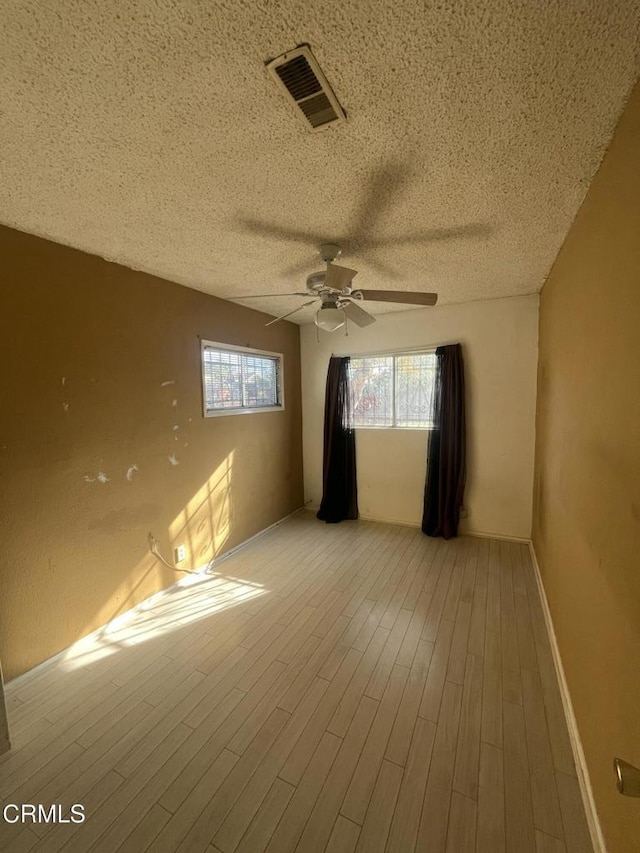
(586, 528)
(103, 441)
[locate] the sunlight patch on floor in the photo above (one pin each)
(194, 597)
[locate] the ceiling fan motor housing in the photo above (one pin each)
(315, 281)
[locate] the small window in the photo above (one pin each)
(393, 391)
(237, 381)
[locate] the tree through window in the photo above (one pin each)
(393, 391)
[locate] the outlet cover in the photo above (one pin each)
(179, 553)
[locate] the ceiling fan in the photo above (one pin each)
(339, 301)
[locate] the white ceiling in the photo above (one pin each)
(148, 132)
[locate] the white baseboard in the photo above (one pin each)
(595, 830)
(401, 522)
(523, 540)
(251, 539)
(18, 680)
(501, 537)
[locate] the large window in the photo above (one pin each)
(393, 391)
(237, 380)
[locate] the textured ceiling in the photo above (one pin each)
(149, 133)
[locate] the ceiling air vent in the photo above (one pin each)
(299, 75)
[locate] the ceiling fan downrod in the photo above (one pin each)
(329, 252)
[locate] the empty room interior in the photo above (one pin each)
(320, 446)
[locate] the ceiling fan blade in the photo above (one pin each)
(339, 278)
(406, 297)
(433, 235)
(289, 313)
(354, 312)
(264, 295)
(258, 227)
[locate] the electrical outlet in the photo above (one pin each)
(465, 512)
(179, 553)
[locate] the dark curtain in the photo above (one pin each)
(339, 489)
(446, 466)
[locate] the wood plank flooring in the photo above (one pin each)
(353, 687)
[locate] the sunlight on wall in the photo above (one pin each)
(204, 524)
(194, 597)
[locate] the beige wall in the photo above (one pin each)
(587, 473)
(86, 346)
(499, 338)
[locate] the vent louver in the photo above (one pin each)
(299, 76)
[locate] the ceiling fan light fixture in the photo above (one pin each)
(329, 318)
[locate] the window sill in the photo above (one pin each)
(393, 428)
(220, 413)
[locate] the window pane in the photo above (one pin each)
(239, 380)
(414, 389)
(260, 384)
(372, 391)
(222, 379)
(393, 390)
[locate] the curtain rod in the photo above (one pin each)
(426, 349)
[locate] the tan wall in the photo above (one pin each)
(74, 553)
(587, 471)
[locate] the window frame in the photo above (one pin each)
(278, 357)
(394, 355)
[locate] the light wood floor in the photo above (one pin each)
(353, 687)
